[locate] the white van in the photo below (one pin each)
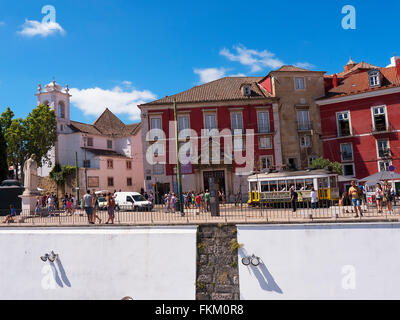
(127, 201)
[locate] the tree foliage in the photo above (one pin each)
(321, 163)
(59, 174)
(5, 120)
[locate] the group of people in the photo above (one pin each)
(90, 204)
(357, 194)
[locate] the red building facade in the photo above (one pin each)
(360, 119)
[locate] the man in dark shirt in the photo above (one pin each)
(293, 198)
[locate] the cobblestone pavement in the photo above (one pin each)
(228, 214)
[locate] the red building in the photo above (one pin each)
(234, 103)
(360, 118)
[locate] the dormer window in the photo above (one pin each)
(374, 78)
(246, 90)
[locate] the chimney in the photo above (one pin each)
(349, 65)
(335, 81)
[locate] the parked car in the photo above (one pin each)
(102, 203)
(131, 201)
(10, 183)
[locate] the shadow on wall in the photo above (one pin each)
(264, 277)
(64, 279)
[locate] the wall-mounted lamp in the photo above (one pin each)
(51, 257)
(255, 261)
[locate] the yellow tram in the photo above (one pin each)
(274, 187)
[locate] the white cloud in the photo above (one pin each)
(304, 65)
(93, 101)
(2, 23)
(210, 74)
(256, 60)
(33, 28)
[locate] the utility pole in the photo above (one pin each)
(77, 177)
(178, 165)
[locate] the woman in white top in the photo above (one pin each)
(378, 197)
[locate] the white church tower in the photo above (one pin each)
(59, 101)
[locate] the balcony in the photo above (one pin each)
(380, 128)
(304, 125)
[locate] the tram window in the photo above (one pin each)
(253, 186)
(282, 185)
(323, 183)
(299, 184)
(272, 186)
(290, 183)
(264, 186)
(309, 184)
(332, 181)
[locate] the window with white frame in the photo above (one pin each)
(155, 124)
(303, 118)
(346, 151)
(348, 170)
(109, 144)
(210, 121)
(265, 143)
(266, 162)
(379, 118)
(311, 159)
(236, 121)
(90, 142)
(383, 148)
(374, 78)
(305, 141)
(183, 122)
(384, 165)
(263, 121)
(300, 83)
(343, 124)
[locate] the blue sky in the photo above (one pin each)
(119, 53)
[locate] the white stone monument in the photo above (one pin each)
(30, 184)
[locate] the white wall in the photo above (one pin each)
(341, 261)
(99, 263)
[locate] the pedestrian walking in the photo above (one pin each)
(207, 198)
(110, 208)
(293, 198)
(95, 205)
(388, 196)
(379, 197)
(87, 203)
(355, 194)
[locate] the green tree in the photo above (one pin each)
(321, 163)
(16, 143)
(5, 120)
(41, 133)
(3, 157)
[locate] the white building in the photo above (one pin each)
(108, 152)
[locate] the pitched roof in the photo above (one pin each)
(224, 89)
(362, 66)
(291, 69)
(107, 124)
(107, 153)
(358, 83)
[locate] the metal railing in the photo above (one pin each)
(325, 211)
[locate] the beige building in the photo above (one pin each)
(300, 123)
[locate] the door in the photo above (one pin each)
(219, 178)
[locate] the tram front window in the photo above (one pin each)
(333, 182)
(323, 183)
(253, 186)
(309, 184)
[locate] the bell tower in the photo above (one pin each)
(58, 100)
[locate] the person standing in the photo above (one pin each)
(95, 205)
(379, 197)
(388, 197)
(173, 200)
(355, 194)
(207, 197)
(87, 203)
(293, 198)
(110, 208)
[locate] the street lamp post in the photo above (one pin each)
(178, 165)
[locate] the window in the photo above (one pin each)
(305, 141)
(61, 127)
(155, 123)
(343, 123)
(346, 151)
(239, 143)
(384, 165)
(183, 123)
(158, 169)
(266, 162)
(110, 164)
(383, 148)
(379, 118)
(303, 118)
(311, 159)
(210, 121)
(237, 121)
(129, 165)
(93, 182)
(348, 170)
(109, 144)
(90, 142)
(299, 83)
(110, 181)
(374, 78)
(263, 122)
(86, 163)
(129, 182)
(265, 143)
(61, 110)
